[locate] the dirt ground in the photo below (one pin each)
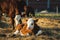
(50, 28)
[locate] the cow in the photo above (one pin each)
(11, 14)
(8, 9)
(29, 28)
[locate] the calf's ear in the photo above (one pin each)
(35, 20)
(26, 20)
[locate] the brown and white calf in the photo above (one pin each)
(29, 28)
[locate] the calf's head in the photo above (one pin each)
(30, 23)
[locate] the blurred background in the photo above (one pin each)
(39, 5)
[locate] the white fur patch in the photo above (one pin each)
(29, 23)
(17, 18)
(16, 32)
(23, 34)
(39, 32)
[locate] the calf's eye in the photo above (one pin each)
(31, 23)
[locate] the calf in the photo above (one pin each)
(29, 28)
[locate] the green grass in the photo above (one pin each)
(47, 15)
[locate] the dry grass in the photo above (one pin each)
(46, 23)
(50, 28)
